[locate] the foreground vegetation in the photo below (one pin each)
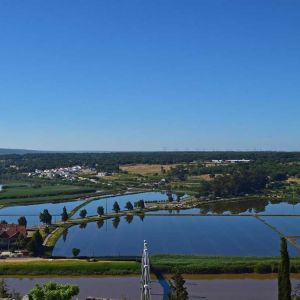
(189, 264)
(160, 264)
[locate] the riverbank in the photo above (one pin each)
(63, 267)
(160, 264)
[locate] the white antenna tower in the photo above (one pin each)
(145, 278)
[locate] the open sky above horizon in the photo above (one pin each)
(150, 75)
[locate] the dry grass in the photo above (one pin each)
(144, 169)
(201, 177)
(294, 179)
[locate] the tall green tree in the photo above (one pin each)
(45, 217)
(83, 213)
(64, 215)
(53, 291)
(178, 290)
(100, 210)
(35, 245)
(129, 205)
(284, 282)
(116, 207)
(22, 221)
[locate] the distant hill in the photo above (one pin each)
(4, 151)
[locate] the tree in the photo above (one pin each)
(75, 252)
(64, 215)
(129, 205)
(116, 207)
(22, 221)
(170, 196)
(45, 217)
(53, 291)
(83, 213)
(284, 283)
(100, 210)
(35, 245)
(140, 204)
(178, 290)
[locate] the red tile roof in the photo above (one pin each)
(11, 230)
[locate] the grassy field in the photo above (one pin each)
(69, 267)
(144, 169)
(21, 193)
(218, 265)
(160, 264)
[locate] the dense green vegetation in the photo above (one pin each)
(266, 172)
(52, 290)
(284, 282)
(189, 264)
(111, 161)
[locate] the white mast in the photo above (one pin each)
(145, 278)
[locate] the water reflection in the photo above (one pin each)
(252, 207)
(116, 221)
(100, 224)
(129, 218)
(65, 235)
(82, 225)
(173, 235)
(31, 212)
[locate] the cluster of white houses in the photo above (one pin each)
(69, 173)
(230, 161)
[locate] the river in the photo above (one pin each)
(249, 287)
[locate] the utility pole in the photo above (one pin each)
(145, 278)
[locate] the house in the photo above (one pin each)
(9, 233)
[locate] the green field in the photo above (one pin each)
(160, 264)
(69, 267)
(189, 264)
(25, 193)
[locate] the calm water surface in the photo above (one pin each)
(289, 226)
(12, 214)
(245, 236)
(253, 207)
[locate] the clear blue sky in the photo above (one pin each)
(150, 74)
